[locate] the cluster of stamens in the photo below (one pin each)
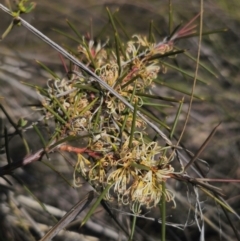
(114, 154)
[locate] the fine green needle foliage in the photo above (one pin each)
(22, 6)
(111, 113)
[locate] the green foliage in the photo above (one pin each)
(119, 156)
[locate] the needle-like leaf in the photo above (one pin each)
(69, 216)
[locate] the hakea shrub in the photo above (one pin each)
(118, 151)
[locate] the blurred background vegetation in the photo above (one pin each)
(220, 96)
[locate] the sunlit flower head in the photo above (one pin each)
(109, 73)
(94, 52)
